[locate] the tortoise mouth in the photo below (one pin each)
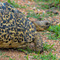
(47, 26)
(41, 50)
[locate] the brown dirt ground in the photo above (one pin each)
(17, 55)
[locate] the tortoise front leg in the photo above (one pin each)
(38, 42)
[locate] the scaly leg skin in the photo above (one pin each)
(38, 42)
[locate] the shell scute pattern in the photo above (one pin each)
(15, 29)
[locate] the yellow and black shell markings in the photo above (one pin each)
(15, 29)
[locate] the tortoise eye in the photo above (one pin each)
(47, 23)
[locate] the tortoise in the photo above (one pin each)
(17, 31)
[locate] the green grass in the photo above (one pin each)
(15, 4)
(50, 4)
(49, 56)
(43, 56)
(56, 30)
(31, 13)
(50, 1)
(11, 59)
(59, 58)
(40, 16)
(1, 53)
(27, 57)
(42, 5)
(5, 56)
(22, 6)
(48, 47)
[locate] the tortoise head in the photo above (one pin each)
(41, 25)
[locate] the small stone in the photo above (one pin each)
(59, 42)
(34, 8)
(28, 1)
(59, 51)
(18, 1)
(30, 56)
(38, 9)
